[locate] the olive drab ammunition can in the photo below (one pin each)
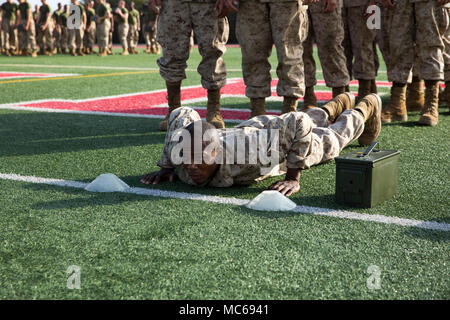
(365, 179)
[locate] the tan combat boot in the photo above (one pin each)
(174, 101)
(429, 114)
(147, 49)
(125, 52)
(257, 107)
(370, 108)
(34, 53)
(309, 99)
(364, 89)
(213, 115)
(338, 105)
(338, 90)
(72, 52)
(101, 52)
(396, 108)
(415, 98)
(289, 105)
(80, 52)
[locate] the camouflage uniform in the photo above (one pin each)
(103, 26)
(45, 37)
(420, 17)
(444, 25)
(327, 29)
(305, 139)
(123, 28)
(176, 21)
(64, 45)
(149, 19)
(57, 29)
(89, 36)
(133, 33)
(261, 24)
(76, 34)
(9, 31)
(27, 38)
(359, 41)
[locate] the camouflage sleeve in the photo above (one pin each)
(296, 139)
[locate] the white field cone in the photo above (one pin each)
(107, 182)
(271, 200)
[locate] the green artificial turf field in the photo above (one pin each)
(138, 247)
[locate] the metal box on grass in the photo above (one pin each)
(365, 179)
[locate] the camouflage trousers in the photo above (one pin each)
(150, 38)
(89, 37)
(27, 39)
(411, 25)
(359, 44)
(103, 34)
(10, 40)
(45, 38)
(123, 34)
(133, 36)
(176, 22)
(64, 41)
(57, 36)
(443, 14)
(305, 139)
(327, 29)
(76, 38)
(259, 26)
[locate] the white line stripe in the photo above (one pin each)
(431, 225)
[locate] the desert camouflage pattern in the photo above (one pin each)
(27, 39)
(177, 19)
(424, 19)
(123, 34)
(103, 33)
(45, 38)
(89, 36)
(327, 30)
(76, 38)
(133, 36)
(10, 39)
(259, 26)
(305, 139)
(359, 42)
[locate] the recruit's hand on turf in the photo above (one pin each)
(329, 5)
(158, 176)
(286, 187)
(225, 7)
(154, 5)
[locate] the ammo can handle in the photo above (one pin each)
(369, 149)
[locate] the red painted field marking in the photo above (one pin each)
(154, 103)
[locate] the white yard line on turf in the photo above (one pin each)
(431, 225)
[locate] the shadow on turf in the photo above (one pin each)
(43, 133)
(431, 235)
